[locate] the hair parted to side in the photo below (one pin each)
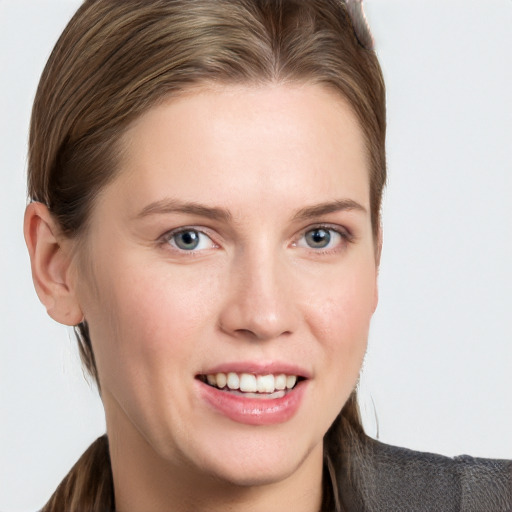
(116, 59)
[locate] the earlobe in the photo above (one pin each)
(51, 264)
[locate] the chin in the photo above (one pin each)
(260, 462)
(250, 474)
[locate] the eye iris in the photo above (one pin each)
(187, 240)
(318, 238)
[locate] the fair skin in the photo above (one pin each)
(280, 278)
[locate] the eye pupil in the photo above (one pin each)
(187, 240)
(318, 238)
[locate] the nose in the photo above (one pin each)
(261, 301)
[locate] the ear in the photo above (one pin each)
(378, 253)
(378, 248)
(51, 262)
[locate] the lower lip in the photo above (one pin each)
(254, 411)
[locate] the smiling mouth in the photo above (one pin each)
(251, 385)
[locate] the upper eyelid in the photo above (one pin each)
(345, 235)
(168, 235)
(343, 231)
(182, 229)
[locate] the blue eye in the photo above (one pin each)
(321, 238)
(190, 240)
(318, 238)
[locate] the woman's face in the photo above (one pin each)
(236, 242)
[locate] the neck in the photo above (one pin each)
(145, 482)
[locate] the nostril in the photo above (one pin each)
(261, 334)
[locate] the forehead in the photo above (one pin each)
(238, 142)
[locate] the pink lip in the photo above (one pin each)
(253, 411)
(259, 368)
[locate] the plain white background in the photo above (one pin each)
(439, 367)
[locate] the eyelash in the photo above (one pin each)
(345, 238)
(169, 236)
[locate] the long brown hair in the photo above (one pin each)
(116, 59)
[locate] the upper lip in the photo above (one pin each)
(259, 368)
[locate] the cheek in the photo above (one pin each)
(341, 313)
(340, 320)
(145, 319)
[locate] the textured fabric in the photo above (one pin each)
(388, 478)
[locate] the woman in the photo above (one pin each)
(206, 180)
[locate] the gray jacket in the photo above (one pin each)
(395, 479)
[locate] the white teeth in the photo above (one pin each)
(290, 381)
(265, 383)
(281, 381)
(250, 383)
(221, 380)
(233, 381)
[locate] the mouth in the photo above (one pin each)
(254, 393)
(249, 385)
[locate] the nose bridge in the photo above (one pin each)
(260, 304)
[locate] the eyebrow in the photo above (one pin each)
(329, 207)
(166, 206)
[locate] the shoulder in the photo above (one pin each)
(393, 478)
